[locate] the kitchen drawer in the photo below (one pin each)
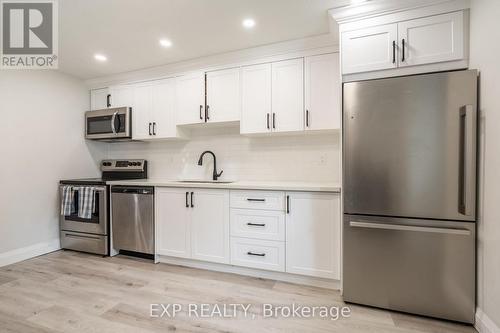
(269, 200)
(259, 224)
(262, 254)
(78, 241)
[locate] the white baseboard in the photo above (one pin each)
(280, 276)
(29, 252)
(484, 324)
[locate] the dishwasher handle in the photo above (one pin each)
(133, 190)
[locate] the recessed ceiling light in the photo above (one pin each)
(100, 57)
(165, 43)
(248, 23)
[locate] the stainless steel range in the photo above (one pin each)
(92, 234)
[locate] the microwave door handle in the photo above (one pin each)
(113, 122)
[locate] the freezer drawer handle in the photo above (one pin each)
(453, 231)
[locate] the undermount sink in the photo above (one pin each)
(207, 181)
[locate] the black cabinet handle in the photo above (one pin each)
(150, 129)
(207, 116)
(393, 51)
(108, 101)
(288, 204)
(187, 204)
(403, 50)
(154, 128)
(259, 200)
(307, 118)
(268, 121)
(256, 224)
(201, 109)
(274, 120)
(256, 254)
(192, 202)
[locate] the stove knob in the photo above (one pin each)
(130, 164)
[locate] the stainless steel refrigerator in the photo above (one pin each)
(410, 193)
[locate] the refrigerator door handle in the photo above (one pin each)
(467, 159)
(453, 231)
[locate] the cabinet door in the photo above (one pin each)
(163, 116)
(223, 95)
(99, 99)
(432, 39)
(288, 95)
(190, 99)
(210, 225)
(313, 234)
(122, 96)
(141, 114)
(322, 92)
(173, 232)
(369, 49)
(256, 99)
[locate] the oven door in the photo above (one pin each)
(97, 224)
(108, 124)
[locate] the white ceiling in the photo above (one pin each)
(128, 31)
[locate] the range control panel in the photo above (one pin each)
(123, 165)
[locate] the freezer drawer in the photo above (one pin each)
(418, 266)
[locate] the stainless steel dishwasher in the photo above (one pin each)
(133, 218)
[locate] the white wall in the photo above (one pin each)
(312, 157)
(484, 55)
(41, 142)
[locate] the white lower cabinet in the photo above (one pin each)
(210, 225)
(256, 253)
(193, 223)
(173, 222)
(293, 232)
(313, 234)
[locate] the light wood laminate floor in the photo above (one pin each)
(66, 291)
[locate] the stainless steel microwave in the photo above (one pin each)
(109, 124)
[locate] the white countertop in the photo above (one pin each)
(242, 185)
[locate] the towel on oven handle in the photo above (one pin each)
(67, 204)
(86, 201)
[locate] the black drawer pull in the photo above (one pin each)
(187, 204)
(256, 254)
(256, 224)
(258, 200)
(192, 202)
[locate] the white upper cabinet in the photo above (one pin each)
(163, 112)
(428, 40)
(287, 95)
(153, 113)
(322, 92)
(432, 39)
(173, 222)
(255, 99)
(210, 225)
(141, 113)
(369, 49)
(121, 96)
(99, 98)
(313, 234)
(190, 98)
(223, 95)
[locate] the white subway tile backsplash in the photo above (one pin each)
(304, 157)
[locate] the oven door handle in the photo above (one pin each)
(113, 117)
